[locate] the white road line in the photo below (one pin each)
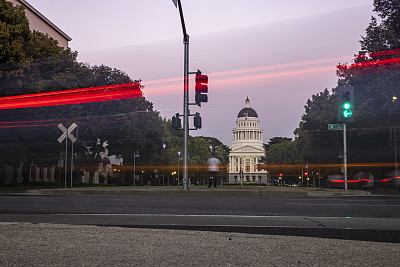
(208, 215)
(354, 205)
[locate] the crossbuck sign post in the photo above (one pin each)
(67, 133)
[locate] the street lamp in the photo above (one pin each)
(396, 166)
(179, 159)
(163, 172)
(135, 155)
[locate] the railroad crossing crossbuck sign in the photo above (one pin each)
(65, 130)
(67, 133)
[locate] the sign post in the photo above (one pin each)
(135, 155)
(342, 127)
(67, 133)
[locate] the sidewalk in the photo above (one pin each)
(26, 244)
(200, 191)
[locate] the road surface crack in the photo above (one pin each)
(317, 222)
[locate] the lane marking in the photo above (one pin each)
(353, 205)
(212, 215)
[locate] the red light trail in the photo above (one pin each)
(380, 53)
(247, 77)
(373, 62)
(269, 74)
(75, 96)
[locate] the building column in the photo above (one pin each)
(256, 164)
(238, 161)
(251, 164)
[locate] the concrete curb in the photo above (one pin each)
(337, 194)
(219, 192)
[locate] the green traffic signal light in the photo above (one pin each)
(347, 112)
(345, 103)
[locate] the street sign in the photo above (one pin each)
(67, 132)
(64, 130)
(335, 126)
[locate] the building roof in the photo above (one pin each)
(247, 111)
(41, 16)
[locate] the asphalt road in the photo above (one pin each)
(362, 207)
(356, 218)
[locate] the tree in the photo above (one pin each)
(375, 76)
(105, 75)
(14, 33)
(285, 152)
(385, 34)
(218, 149)
(276, 140)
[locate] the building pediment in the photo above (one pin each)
(247, 149)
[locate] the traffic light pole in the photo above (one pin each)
(345, 114)
(185, 111)
(345, 156)
(177, 4)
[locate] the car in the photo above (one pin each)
(389, 180)
(338, 181)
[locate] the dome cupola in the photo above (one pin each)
(247, 111)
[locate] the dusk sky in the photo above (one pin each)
(278, 53)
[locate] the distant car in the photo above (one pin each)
(337, 180)
(389, 180)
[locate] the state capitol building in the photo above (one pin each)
(247, 148)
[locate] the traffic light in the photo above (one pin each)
(176, 122)
(201, 88)
(346, 104)
(197, 121)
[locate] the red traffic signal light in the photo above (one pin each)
(306, 173)
(201, 83)
(201, 89)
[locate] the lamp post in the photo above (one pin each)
(135, 155)
(307, 175)
(163, 172)
(179, 159)
(396, 165)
